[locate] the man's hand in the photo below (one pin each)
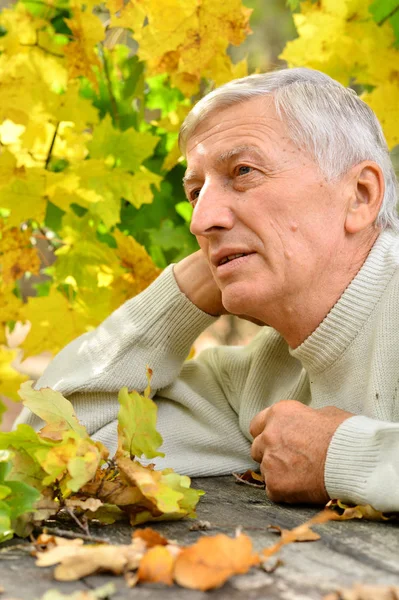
(194, 278)
(291, 443)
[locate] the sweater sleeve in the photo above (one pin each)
(156, 328)
(362, 463)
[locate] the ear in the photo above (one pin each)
(366, 193)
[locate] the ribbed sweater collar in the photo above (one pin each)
(347, 317)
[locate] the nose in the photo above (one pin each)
(212, 211)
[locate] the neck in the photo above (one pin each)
(297, 317)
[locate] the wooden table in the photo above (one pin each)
(348, 552)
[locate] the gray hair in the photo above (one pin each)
(334, 125)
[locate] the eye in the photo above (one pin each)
(243, 170)
(193, 196)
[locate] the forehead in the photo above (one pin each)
(254, 123)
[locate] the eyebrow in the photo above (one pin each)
(191, 174)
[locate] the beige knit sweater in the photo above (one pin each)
(206, 404)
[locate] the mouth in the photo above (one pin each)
(230, 257)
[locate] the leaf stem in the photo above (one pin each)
(50, 150)
(388, 16)
(114, 106)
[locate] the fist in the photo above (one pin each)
(290, 443)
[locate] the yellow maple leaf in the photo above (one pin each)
(184, 37)
(141, 270)
(384, 100)
(17, 255)
(24, 196)
(55, 321)
(87, 31)
(83, 257)
(21, 29)
(10, 309)
(10, 379)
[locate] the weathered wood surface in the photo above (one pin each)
(349, 552)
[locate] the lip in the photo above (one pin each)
(218, 256)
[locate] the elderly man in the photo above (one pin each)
(294, 200)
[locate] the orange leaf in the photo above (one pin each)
(156, 566)
(150, 537)
(212, 560)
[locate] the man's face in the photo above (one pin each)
(264, 216)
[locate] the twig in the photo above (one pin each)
(82, 526)
(71, 535)
(50, 150)
(393, 11)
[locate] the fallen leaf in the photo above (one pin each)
(79, 562)
(201, 526)
(298, 534)
(104, 591)
(92, 504)
(308, 535)
(131, 579)
(47, 542)
(345, 512)
(365, 592)
(212, 560)
(250, 478)
(150, 537)
(156, 566)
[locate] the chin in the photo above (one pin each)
(237, 303)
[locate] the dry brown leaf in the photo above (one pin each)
(113, 492)
(356, 512)
(250, 478)
(298, 533)
(212, 560)
(365, 592)
(92, 504)
(306, 536)
(47, 542)
(156, 566)
(131, 579)
(150, 537)
(77, 562)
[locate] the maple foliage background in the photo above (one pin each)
(91, 100)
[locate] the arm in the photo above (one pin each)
(156, 328)
(362, 463)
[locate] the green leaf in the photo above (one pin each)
(181, 484)
(137, 425)
(383, 9)
(21, 499)
(24, 437)
(185, 210)
(6, 532)
(4, 491)
(54, 409)
(293, 4)
(128, 148)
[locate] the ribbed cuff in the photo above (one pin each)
(362, 465)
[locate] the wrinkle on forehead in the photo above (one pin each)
(259, 111)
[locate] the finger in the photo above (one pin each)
(258, 423)
(257, 449)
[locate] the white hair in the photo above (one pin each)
(330, 121)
